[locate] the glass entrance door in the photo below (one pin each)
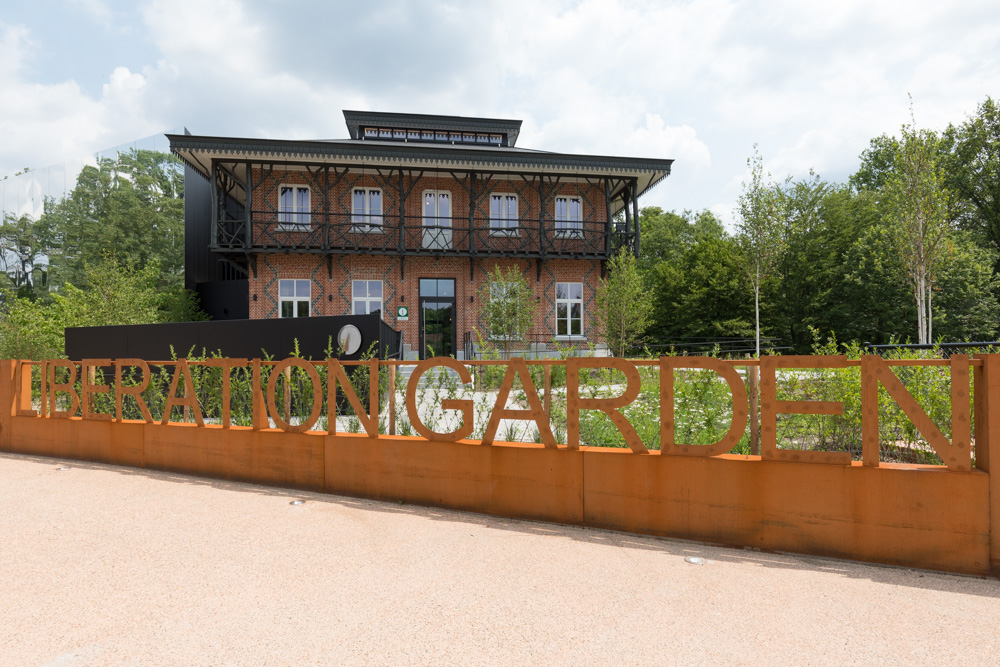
(437, 317)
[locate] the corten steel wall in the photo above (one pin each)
(911, 515)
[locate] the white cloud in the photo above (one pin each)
(698, 81)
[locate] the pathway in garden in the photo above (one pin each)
(103, 565)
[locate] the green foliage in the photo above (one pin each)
(508, 307)
(972, 173)
(134, 204)
(623, 309)
(115, 292)
(30, 330)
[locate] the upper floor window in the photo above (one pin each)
(366, 296)
(293, 206)
(437, 219)
(569, 216)
(569, 309)
(503, 214)
(366, 208)
(293, 298)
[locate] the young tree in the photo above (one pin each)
(918, 211)
(508, 307)
(759, 229)
(623, 304)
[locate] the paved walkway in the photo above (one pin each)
(102, 565)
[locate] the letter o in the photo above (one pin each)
(317, 406)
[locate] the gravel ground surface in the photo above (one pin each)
(103, 565)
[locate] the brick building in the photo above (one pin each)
(407, 217)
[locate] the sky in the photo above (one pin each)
(701, 82)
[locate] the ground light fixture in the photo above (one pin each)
(62, 468)
(297, 502)
(695, 560)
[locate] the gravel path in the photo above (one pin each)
(103, 565)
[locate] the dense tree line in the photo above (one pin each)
(110, 252)
(922, 212)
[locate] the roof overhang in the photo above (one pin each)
(199, 152)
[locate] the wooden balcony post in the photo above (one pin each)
(635, 213)
(472, 213)
(326, 207)
(248, 208)
(541, 215)
(607, 220)
(402, 217)
(215, 204)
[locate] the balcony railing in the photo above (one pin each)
(351, 233)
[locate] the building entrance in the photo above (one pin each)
(437, 317)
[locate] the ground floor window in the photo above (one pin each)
(569, 309)
(366, 297)
(293, 298)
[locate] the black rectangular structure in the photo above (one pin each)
(231, 338)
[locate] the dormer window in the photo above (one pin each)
(436, 136)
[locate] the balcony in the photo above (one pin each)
(271, 231)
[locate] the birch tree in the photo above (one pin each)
(759, 229)
(918, 212)
(624, 305)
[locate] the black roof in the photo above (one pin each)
(199, 151)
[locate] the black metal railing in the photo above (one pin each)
(351, 233)
(529, 346)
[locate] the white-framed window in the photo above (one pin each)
(293, 298)
(437, 219)
(366, 297)
(569, 309)
(293, 206)
(366, 209)
(569, 216)
(503, 214)
(437, 208)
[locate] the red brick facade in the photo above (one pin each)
(331, 278)
(332, 296)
